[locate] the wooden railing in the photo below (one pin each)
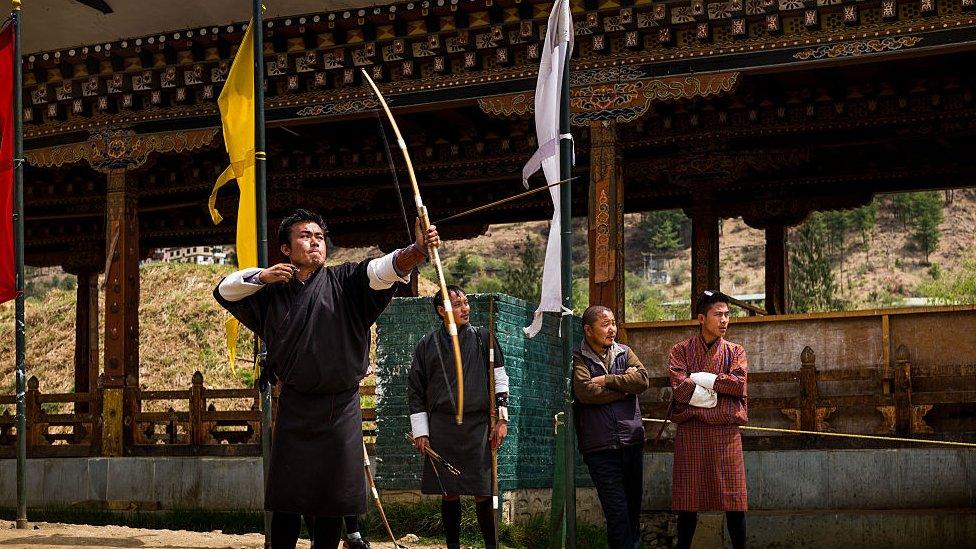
(806, 398)
(198, 421)
(885, 371)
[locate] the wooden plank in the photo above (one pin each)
(812, 316)
(944, 397)
(211, 394)
(774, 403)
(231, 415)
(164, 395)
(886, 386)
(861, 374)
(773, 377)
(161, 417)
(961, 371)
(848, 401)
(63, 397)
(65, 418)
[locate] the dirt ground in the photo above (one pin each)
(43, 534)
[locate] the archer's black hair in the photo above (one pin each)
(299, 216)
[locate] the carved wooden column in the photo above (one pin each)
(86, 335)
(777, 265)
(121, 305)
(704, 249)
(606, 219)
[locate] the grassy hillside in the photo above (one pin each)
(182, 328)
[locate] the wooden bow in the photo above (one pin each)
(425, 223)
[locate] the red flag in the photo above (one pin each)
(8, 287)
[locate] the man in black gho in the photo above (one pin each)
(431, 389)
(315, 322)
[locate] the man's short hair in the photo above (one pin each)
(299, 216)
(593, 313)
(439, 302)
(707, 299)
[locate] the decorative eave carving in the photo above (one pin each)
(120, 149)
(620, 101)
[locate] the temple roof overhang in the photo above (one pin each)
(57, 24)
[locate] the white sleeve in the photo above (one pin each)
(501, 380)
(234, 288)
(704, 379)
(704, 398)
(418, 425)
(382, 272)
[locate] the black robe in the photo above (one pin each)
(432, 388)
(317, 335)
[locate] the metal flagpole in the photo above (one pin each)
(21, 353)
(566, 216)
(260, 200)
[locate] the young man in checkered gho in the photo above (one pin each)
(708, 378)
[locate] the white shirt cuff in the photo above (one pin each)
(501, 380)
(703, 398)
(382, 272)
(503, 413)
(704, 379)
(418, 425)
(234, 288)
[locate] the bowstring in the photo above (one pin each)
(396, 180)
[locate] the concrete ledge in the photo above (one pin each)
(904, 478)
(847, 529)
(221, 484)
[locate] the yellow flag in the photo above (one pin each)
(236, 105)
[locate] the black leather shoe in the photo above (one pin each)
(360, 543)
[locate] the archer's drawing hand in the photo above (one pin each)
(421, 443)
(282, 272)
(426, 241)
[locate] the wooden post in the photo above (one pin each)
(704, 251)
(86, 336)
(606, 220)
(808, 390)
(903, 391)
(197, 407)
(121, 306)
(33, 408)
(777, 265)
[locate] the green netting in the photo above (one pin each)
(538, 385)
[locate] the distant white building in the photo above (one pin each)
(200, 255)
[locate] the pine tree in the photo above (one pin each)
(462, 270)
(812, 284)
(525, 281)
(660, 231)
(925, 225)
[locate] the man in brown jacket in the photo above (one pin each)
(607, 377)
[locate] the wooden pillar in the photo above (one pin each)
(704, 250)
(606, 220)
(808, 390)
(903, 391)
(121, 306)
(86, 335)
(777, 267)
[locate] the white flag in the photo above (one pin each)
(557, 48)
